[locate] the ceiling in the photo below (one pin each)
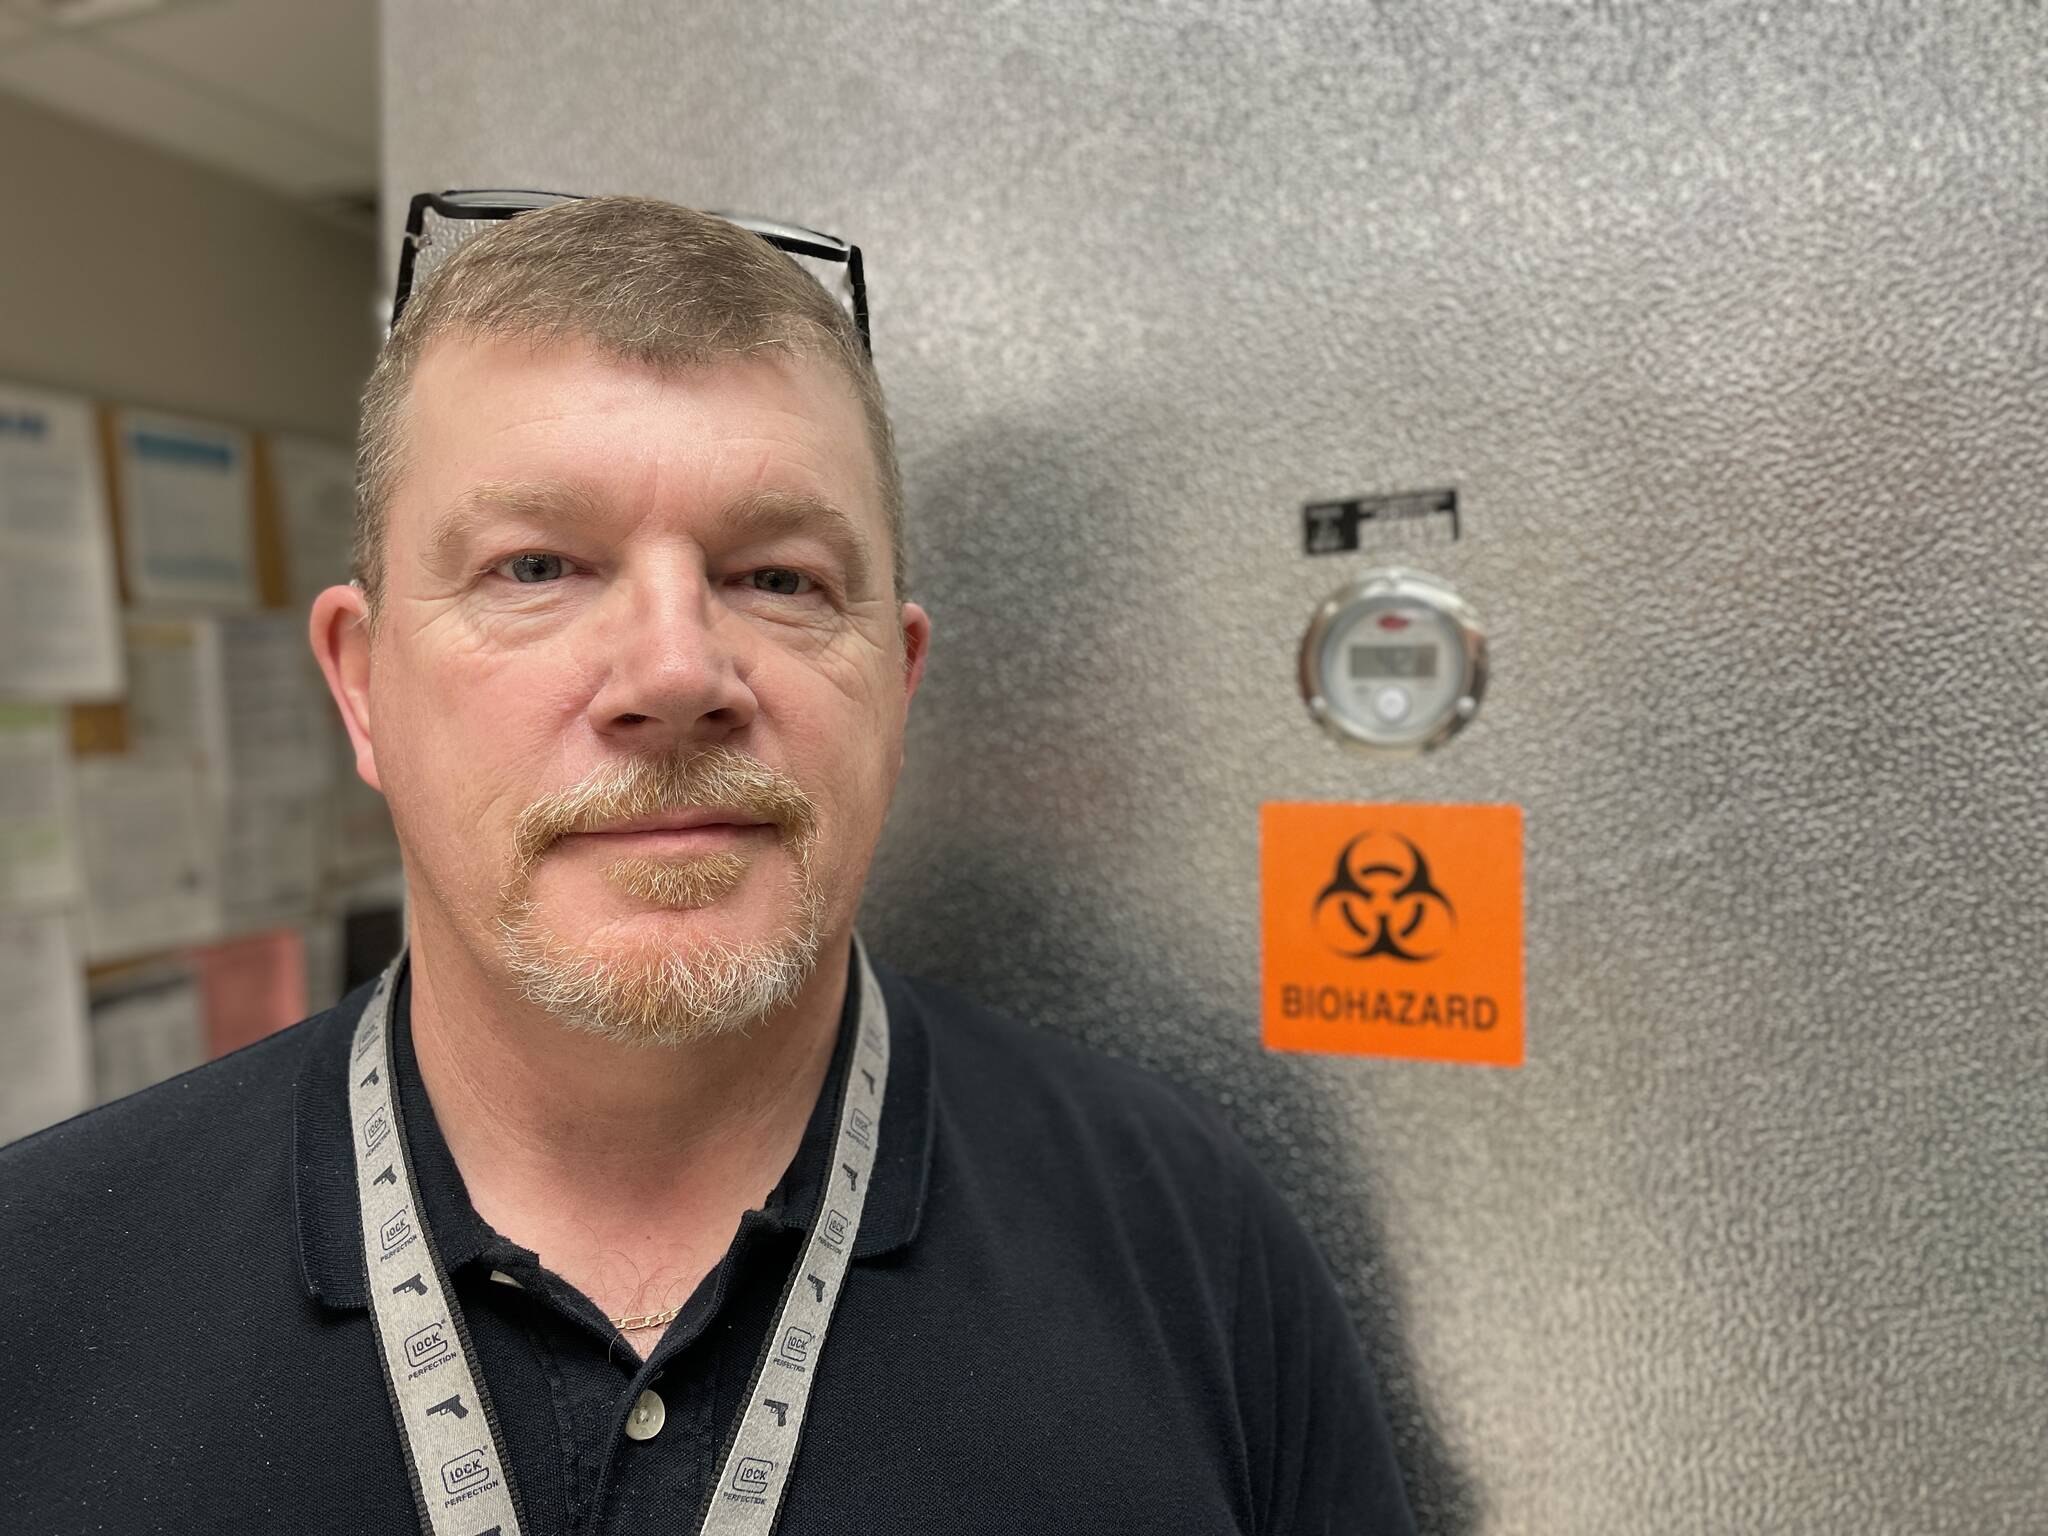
(283, 92)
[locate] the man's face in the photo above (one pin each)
(638, 688)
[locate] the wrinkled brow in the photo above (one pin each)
(547, 503)
(759, 517)
(768, 515)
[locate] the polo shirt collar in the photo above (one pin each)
(324, 1183)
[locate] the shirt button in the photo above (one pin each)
(648, 1415)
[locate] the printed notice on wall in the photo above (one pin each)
(49, 1068)
(59, 638)
(1393, 930)
(152, 878)
(316, 495)
(237, 700)
(187, 521)
(38, 856)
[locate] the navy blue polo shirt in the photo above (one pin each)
(1075, 1306)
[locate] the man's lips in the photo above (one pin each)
(681, 821)
(676, 832)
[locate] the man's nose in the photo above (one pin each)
(675, 667)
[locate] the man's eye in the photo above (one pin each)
(782, 580)
(531, 568)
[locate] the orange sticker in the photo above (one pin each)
(1393, 930)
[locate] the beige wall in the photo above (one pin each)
(132, 276)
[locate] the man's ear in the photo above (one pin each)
(340, 632)
(917, 642)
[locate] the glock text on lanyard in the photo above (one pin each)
(461, 1479)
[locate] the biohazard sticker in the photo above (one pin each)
(1393, 930)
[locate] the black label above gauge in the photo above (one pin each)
(1336, 527)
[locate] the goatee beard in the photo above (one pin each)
(650, 992)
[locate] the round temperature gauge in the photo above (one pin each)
(1394, 662)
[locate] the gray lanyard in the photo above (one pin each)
(454, 1449)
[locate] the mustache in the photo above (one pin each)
(712, 778)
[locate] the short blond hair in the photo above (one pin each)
(645, 281)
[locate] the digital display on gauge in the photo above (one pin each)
(1376, 661)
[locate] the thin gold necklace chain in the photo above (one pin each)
(632, 1324)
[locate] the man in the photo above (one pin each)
(628, 1181)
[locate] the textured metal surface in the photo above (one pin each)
(1727, 322)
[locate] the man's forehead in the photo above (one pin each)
(573, 418)
(462, 376)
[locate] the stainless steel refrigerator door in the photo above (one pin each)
(1726, 322)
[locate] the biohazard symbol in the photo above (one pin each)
(1382, 903)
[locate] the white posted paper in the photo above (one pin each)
(265, 704)
(59, 635)
(186, 516)
(240, 693)
(38, 859)
(270, 768)
(238, 697)
(151, 871)
(316, 498)
(270, 847)
(166, 710)
(47, 1074)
